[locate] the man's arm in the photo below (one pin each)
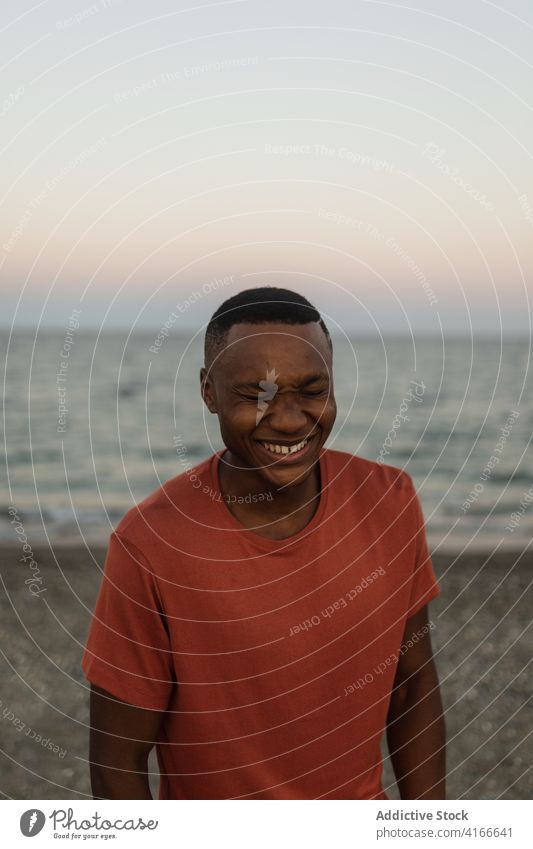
(416, 733)
(121, 738)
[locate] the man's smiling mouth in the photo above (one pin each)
(286, 450)
(276, 448)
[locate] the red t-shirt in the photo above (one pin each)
(273, 659)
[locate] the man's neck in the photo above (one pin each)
(284, 514)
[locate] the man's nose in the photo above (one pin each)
(285, 413)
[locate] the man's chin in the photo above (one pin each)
(286, 476)
(257, 459)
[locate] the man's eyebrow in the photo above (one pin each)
(310, 378)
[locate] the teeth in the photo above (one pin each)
(284, 449)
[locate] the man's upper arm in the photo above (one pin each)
(424, 585)
(121, 734)
(415, 657)
(128, 651)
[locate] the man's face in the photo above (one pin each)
(273, 383)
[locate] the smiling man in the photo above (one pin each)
(263, 616)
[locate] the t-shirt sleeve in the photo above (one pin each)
(128, 650)
(424, 584)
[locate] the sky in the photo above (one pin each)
(376, 157)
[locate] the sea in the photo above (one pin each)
(92, 421)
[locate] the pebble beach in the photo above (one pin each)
(481, 641)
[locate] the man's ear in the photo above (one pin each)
(206, 389)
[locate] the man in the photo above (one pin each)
(263, 615)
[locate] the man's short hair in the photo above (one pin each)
(264, 304)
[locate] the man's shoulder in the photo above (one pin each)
(369, 473)
(164, 504)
